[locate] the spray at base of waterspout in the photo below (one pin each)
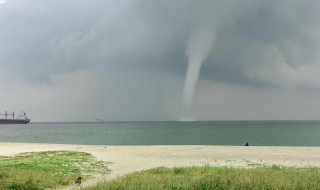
(187, 119)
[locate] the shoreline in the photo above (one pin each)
(128, 159)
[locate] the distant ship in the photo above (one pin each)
(98, 120)
(10, 118)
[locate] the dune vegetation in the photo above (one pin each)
(43, 170)
(218, 178)
(55, 169)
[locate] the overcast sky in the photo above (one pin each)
(121, 60)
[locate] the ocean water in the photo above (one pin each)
(257, 133)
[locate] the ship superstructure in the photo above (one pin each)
(11, 118)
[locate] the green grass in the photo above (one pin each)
(31, 171)
(218, 178)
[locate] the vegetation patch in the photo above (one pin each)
(41, 170)
(218, 178)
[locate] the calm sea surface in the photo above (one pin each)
(258, 133)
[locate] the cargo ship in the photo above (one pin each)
(8, 118)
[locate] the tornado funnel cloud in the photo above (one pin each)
(189, 89)
(197, 50)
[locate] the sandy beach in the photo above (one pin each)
(127, 159)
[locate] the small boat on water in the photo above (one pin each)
(9, 118)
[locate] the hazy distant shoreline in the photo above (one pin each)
(197, 121)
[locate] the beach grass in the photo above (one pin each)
(218, 178)
(51, 169)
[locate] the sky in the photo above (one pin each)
(142, 60)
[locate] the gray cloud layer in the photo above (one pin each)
(274, 42)
(258, 43)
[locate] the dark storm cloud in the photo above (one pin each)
(40, 39)
(278, 37)
(267, 42)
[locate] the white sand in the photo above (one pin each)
(126, 159)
